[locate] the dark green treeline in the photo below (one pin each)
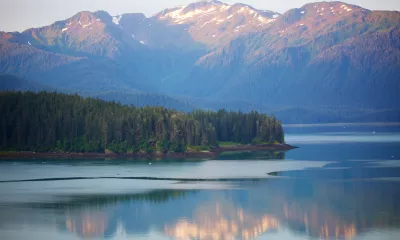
(69, 123)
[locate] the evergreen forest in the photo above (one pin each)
(49, 121)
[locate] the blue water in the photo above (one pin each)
(341, 183)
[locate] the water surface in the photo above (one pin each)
(342, 183)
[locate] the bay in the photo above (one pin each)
(343, 182)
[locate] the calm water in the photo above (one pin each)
(342, 183)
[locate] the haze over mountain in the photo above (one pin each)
(325, 55)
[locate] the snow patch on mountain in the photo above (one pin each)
(179, 16)
(116, 19)
(200, 14)
(265, 20)
(87, 25)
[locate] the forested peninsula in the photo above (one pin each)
(49, 122)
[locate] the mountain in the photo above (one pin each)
(141, 99)
(213, 23)
(12, 83)
(88, 46)
(324, 55)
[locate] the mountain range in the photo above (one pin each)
(324, 61)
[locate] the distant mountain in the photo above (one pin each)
(147, 99)
(139, 99)
(12, 83)
(213, 54)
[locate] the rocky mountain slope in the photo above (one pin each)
(325, 54)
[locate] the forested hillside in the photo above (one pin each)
(69, 123)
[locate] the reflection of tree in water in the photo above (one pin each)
(79, 201)
(262, 155)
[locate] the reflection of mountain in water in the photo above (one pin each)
(87, 224)
(104, 215)
(221, 220)
(315, 208)
(326, 210)
(331, 210)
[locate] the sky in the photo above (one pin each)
(19, 15)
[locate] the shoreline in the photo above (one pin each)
(206, 154)
(365, 124)
(259, 147)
